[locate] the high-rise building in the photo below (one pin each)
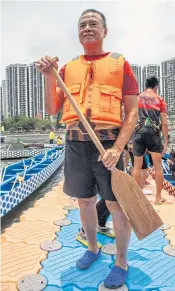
(137, 70)
(4, 105)
(151, 70)
(168, 84)
(1, 105)
(17, 89)
(36, 93)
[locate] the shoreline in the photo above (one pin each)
(31, 133)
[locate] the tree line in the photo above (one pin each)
(25, 124)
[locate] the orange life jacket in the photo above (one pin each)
(100, 91)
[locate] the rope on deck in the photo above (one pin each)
(166, 185)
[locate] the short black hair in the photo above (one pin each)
(98, 12)
(151, 82)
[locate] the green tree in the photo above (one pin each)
(24, 123)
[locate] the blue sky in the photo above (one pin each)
(142, 30)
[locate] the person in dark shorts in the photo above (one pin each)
(99, 82)
(144, 167)
(152, 120)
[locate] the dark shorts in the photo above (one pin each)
(84, 175)
(146, 141)
(144, 165)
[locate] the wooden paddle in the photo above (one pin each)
(142, 216)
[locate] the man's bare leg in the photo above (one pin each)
(122, 231)
(126, 158)
(138, 161)
(89, 221)
(143, 177)
(157, 162)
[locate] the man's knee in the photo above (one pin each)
(117, 213)
(138, 161)
(112, 205)
(87, 202)
(157, 161)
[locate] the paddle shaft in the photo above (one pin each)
(78, 111)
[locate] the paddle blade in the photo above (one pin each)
(143, 218)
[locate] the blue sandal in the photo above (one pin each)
(116, 278)
(87, 260)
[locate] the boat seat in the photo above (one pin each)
(8, 175)
(17, 170)
(45, 164)
(12, 182)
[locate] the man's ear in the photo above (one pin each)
(105, 32)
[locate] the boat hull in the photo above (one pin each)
(12, 198)
(7, 155)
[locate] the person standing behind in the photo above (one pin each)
(51, 136)
(152, 120)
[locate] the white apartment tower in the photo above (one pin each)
(36, 92)
(168, 84)
(4, 103)
(137, 70)
(148, 71)
(17, 89)
(1, 105)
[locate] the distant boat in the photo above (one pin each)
(40, 145)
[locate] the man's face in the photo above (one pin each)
(91, 29)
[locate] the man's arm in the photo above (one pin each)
(130, 102)
(164, 121)
(130, 121)
(163, 117)
(54, 97)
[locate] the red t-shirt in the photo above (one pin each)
(130, 87)
(150, 105)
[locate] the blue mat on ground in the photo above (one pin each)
(154, 242)
(67, 235)
(60, 269)
(74, 216)
(150, 269)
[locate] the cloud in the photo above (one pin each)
(141, 30)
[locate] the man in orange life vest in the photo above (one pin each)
(100, 82)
